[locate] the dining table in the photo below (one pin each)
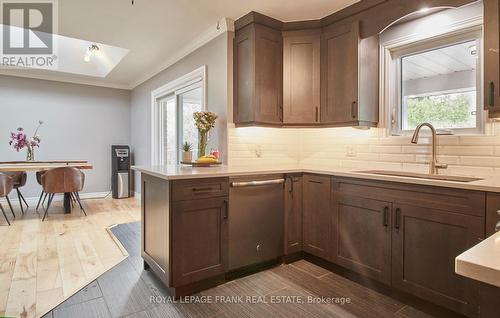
(43, 165)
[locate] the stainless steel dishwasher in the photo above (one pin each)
(256, 220)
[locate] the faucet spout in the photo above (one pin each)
(434, 165)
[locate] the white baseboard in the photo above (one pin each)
(58, 197)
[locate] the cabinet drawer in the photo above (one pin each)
(454, 200)
(200, 188)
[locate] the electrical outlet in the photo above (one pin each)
(351, 151)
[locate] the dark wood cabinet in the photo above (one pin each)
(489, 297)
(363, 236)
(492, 57)
(200, 235)
(293, 214)
(425, 244)
(301, 76)
(349, 78)
(317, 215)
(258, 76)
(492, 213)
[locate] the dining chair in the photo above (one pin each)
(6, 185)
(43, 195)
(62, 180)
(19, 178)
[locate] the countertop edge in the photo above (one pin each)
(348, 174)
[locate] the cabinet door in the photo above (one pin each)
(425, 244)
(293, 215)
(339, 77)
(317, 219)
(492, 57)
(269, 75)
(301, 74)
(363, 236)
(200, 235)
(492, 213)
(244, 75)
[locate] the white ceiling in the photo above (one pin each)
(157, 32)
(446, 60)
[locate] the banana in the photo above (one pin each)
(207, 159)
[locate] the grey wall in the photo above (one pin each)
(214, 56)
(81, 122)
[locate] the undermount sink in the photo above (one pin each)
(421, 175)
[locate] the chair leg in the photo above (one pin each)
(10, 206)
(72, 200)
(22, 197)
(20, 201)
(39, 201)
(44, 198)
(80, 202)
(51, 196)
(4, 215)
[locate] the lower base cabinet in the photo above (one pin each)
(362, 240)
(317, 216)
(200, 236)
(424, 246)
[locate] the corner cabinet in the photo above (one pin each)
(349, 78)
(258, 76)
(492, 57)
(301, 77)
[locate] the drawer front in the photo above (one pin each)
(200, 188)
(448, 199)
(492, 213)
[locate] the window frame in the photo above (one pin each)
(394, 76)
(187, 82)
(435, 26)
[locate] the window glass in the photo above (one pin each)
(190, 102)
(439, 86)
(169, 112)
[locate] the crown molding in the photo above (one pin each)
(222, 26)
(64, 79)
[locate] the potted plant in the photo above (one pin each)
(187, 152)
(204, 121)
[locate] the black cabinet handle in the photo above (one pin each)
(202, 189)
(317, 114)
(226, 209)
(491, 94)
(291, 185)
(398, 218)
(353, 109)
(386, 216)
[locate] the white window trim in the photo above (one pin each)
(389, 92)
(179, 84)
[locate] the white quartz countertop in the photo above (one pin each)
(481, 262)
(178, 172)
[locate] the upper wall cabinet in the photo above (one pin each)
(349, 78)
(492, 57)
(301, 76)
(258, 72)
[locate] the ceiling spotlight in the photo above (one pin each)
(90, 51)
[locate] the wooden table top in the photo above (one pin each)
(42, 165)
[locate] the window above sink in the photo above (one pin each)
(432, 72)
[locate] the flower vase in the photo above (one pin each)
(202, 143)
(30, 154)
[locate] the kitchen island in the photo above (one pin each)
(383, 228)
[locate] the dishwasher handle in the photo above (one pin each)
(256, 183)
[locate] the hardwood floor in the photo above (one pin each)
(129, 291)
(43, 263)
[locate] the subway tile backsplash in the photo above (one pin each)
(363, 149)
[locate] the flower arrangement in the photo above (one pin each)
(19, 140)
(204, 121)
